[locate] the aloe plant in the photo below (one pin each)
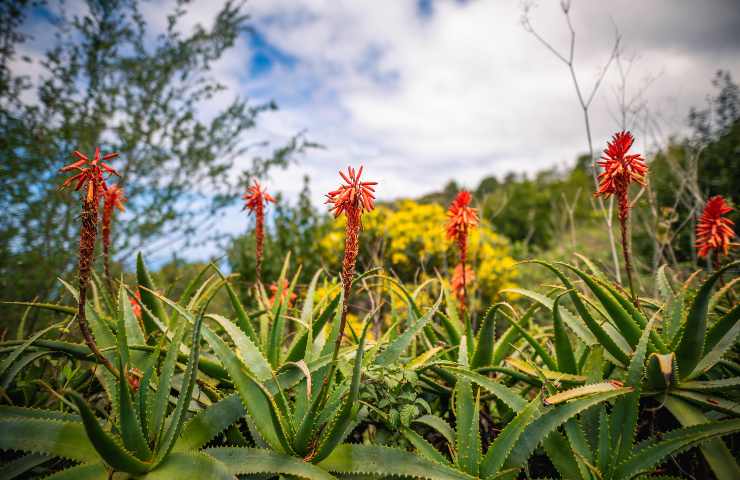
(684, 355)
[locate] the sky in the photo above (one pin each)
(421, 92)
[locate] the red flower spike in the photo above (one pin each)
(353, 198)
(353, 195)
(256, 197)
(282, 291)
(112, 198)
(255, 200)
(714, 232)
(620, 171)
(462, 218)
(461, 282)
(92, 175)
(620, 168)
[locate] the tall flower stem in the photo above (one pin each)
(351, 249)
(624, 223)
(90, 174)
(259, 238)
(621, 169)
(88, 235)
(255, 200)
(112, 198)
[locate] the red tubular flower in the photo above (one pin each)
(353, 198)
(462, 218)
(282, 291)
(620, 171)
(112, 198)
(255, 200)
(714, 232)
(92, 176)
(460, 282)
(135, 307)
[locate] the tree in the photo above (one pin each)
(111, 81)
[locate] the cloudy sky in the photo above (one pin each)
(423, 91)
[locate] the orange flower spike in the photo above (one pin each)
(353, 198)
(621, 169)
(112, 198)
(462, 218)
(91, 174)
(460, 282)
(714, 231)
(255, 200)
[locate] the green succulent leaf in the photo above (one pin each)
(691, 348)
(379, 460)
(43, 435)
(209, 422)
(154, 308)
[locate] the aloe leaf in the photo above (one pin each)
(627, 325)
(468, 435)
(709, 402)
(601, 335)
(248, 352)
(58, 438)
(438, 424)
(548, 374)
(113, 453)
(553, 418)
(719, 330)
(580, 447)
(258, 403)
(190, 466)
(306, 319)
(582, 391)
(486, 336)
(499, 450)
(424, 448)
(718, 456)
(209, 422)
(167, 441)
(562, 457)
(574, 323)
(153, 304)
(303, 347)
(18, 351)
(248, 461)
(386, 461)
(720, 384)
(52, 307)
(332, 436)
(22, 465)
(539, 349)
(691, 348)
(144, 399)
(401, 343)
(715, 353)
(161, 399)
(131, 433)
(276, 335)
(511, 398)
(674, 442)
(20, 365)
(86, 471)
(626, 409)
(563, 349)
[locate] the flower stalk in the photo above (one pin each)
(353, 198)
(255, 200)
(112, 198)
(90, 178)
(462, 218)
(621, 169)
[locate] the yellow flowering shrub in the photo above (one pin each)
(409, 239)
